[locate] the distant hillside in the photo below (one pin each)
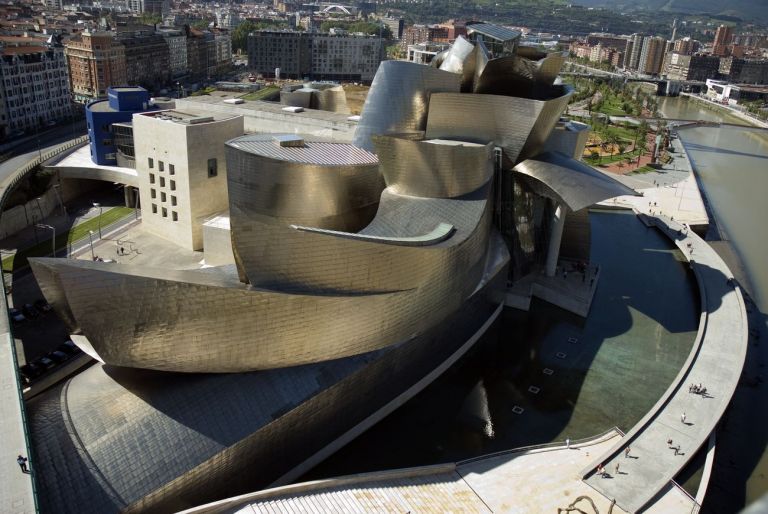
(744, 9)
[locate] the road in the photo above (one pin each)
(28, 150)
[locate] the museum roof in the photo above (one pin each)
(309, 151)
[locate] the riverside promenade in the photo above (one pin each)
(683, 417)
(527, 480)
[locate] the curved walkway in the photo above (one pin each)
(716, 361)
(17, 489)
(526, 480)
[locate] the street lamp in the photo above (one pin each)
(90, 240)
(53, 241)
(96, 204)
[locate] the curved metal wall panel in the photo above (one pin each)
(461, 59)
(420, 168)
(278, 257)
(550, 113)
(517, 76)
(570, 182)
(339, 194)
(512, 123)
(399, 99)
(193, 321)
(332, 99)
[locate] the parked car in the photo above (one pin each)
(68, 347)
(16, 315)
(58, 357)
(42, 306)
(30, 311)
(30, 371)
(44, 363)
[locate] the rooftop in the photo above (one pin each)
(186, 117)
(494, 31)
(260, 106)
(312, 151)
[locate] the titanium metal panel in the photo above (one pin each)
(570, 182)
(332, 99)
(518, 125)
(461, 59)
(193, 321)
(516, 76)
(431, 169)
(399, 99)
(297, 98)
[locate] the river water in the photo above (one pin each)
(732, 165)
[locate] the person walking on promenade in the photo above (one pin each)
(626, 452)
(617, 468)
(22, 461)
(568, 443)
(682, 417)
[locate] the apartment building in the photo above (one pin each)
(652, 55)
(95, 61)
(317, 56)
(34, 86)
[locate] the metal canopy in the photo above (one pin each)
(570, 182)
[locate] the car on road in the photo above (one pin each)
(42, 306)
(16, 315)
(58, 357)
(44, 362)
(68, 347)
(30, 371)
(29, 311)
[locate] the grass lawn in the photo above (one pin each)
(608, 159)
(43, 248)
(261, 94)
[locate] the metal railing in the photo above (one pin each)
(19, 175)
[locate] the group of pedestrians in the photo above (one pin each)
(697, 389)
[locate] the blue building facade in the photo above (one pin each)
(120, 106)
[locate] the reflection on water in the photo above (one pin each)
(732, 166)
(617, 364)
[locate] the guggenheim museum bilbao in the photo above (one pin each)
(358, 272)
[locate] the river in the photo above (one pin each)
(732, 165)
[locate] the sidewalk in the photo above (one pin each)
(79, 213)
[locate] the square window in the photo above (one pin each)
(162, 182)
(151, 162)
(162, 196)
(154, 208)
(173, 200)
(165, 212)
(161, 165)
(175, 216)
(151, 178)
(153, 193)
(213, 169)
(171, 169)
(173, 185)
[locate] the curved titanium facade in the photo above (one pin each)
(436, 169)
(570, 182)
(517, 76)
(399, 99)
(520, 126)
(460, 58)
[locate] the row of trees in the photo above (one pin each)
(240, 33)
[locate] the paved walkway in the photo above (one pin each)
(519, 481)
(671, 191)
(716, 361)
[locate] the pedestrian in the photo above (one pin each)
(617, 468)
(22, 461)
(568, 443)
(682, 417)
(677, 450)
(626, 452)
(669, 442)
(565, 274)
(122, 250)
